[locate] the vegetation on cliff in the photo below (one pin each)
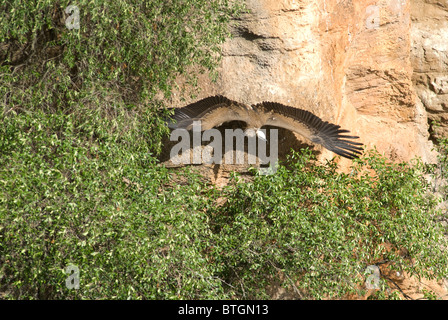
(80, 185)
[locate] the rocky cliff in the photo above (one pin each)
(429, 57)
(376, 68)
(347, 61)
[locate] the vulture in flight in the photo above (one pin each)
(216, 110)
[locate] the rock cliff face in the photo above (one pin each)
(359, 63)
(346, 61)
(429, 56)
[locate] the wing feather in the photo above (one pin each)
(215, 110)
(329, 135)
(211, 111)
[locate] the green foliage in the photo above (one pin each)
(80, 122)
(121, 57)
(138, 231)
(104, 207)
(79, 184)
(429, 295)
(316, 230)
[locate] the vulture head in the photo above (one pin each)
(252, 132)
(216, 110)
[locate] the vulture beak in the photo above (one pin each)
(252, 132)
(261, 135)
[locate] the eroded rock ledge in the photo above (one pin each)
(347, 61)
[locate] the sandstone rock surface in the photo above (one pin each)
(429, 56)
(346, 61)
(361, 64)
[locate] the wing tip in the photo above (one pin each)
(347, 151)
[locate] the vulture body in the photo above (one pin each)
(216, 110)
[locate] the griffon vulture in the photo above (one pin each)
(216, 110)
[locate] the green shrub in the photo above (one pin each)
(123, 54)
(316, 230)
(103, 207)
(80, 123)
(79, 184)
(136, 230)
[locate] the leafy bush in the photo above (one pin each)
(80, 122)
(317, 230)
(123, 54)
(136, 230)
(79, 184)
(105, 208)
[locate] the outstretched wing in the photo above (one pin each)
(310, 126)
(211, 111)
